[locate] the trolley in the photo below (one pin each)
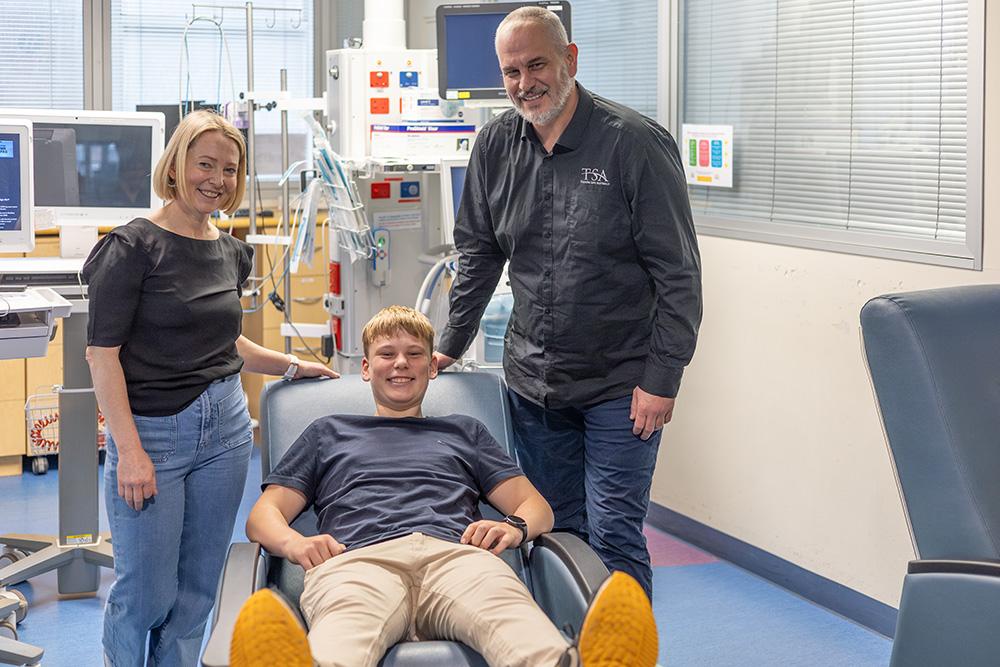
(41, 412)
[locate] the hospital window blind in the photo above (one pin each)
(857, 123)
(618, 49)
(41, 54)
(147, 39)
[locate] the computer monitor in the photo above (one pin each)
(93, 168)
(17, 233)
(452, 183)
(467, 60)
(172, 113)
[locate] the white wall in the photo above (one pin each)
(421, 28)
(776, 439)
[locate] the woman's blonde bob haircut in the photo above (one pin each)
(392, 320)
(175, 156)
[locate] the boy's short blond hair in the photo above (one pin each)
(190, 128)
(392, 320)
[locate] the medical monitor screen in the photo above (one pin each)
(10, 182)
(469, 65)
(457, 183)
(92, 165)
(467, 60)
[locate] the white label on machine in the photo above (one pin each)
(422, 139)
(80, 539)
(411, 219)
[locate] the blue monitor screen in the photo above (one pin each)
(467, 60)
(471, 58)
(457, 184)
(10, 182)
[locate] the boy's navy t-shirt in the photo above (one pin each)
(374, 479)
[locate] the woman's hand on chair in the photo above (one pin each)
(314, 369)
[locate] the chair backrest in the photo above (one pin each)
(934, 358)
(287, 408)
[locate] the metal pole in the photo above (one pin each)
(285, 205)
(251, 173)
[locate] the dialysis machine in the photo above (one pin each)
(405, 121)
(387, 122)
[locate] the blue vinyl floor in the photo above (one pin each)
(709, 613)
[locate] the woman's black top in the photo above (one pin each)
(172, 303)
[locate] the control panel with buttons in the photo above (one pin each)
(380, 258)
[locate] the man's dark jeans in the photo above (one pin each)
(594, 472)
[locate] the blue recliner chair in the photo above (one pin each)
(934, 358)
(561, 570)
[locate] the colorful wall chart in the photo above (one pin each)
(707, 152)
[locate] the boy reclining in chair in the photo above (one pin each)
(401, 552)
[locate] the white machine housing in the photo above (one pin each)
(394, 90)
(384, 104)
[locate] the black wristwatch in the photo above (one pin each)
(518, 522)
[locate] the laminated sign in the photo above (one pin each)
(707, 153)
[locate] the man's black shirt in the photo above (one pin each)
(604, 261)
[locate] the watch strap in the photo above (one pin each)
(293, 368)
(520, 523)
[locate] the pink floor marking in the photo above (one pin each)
(665, 550)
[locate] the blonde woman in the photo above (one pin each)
(165, 352)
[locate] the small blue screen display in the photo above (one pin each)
(10, 182)
(457, 183)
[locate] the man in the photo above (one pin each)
(401, 551)
(587, 200)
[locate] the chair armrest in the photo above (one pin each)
(582, 562)
(242, 574)
(986, 567)
(565, 573)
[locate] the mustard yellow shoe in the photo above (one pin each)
(268, 633)
(619, 629)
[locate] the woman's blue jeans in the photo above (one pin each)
(169, 555)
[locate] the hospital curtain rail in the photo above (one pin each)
(858, 124)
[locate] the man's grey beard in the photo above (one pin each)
(560, 96)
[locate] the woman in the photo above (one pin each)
(165, 352)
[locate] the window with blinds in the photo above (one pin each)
(618, 49)
(148, 39)
(41, 54)
(857, 124)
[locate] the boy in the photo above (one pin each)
(401, 551)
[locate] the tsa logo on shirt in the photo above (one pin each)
(593, 176)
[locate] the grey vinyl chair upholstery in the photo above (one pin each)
(561, 570)
(934, 359)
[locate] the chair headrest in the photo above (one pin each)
(934, 358)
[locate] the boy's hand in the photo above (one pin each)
(494, 536)
(311, 551)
